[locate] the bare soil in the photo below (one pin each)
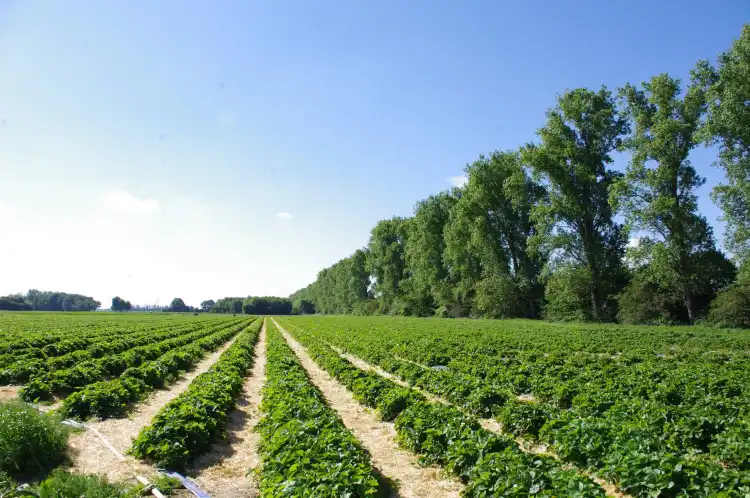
(377, 437)
(91, 456)
(9, 392)
(226, 471)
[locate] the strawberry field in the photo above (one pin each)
(99, 365)
(322, 405)
(646, 411)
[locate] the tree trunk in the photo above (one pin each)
(687, 298)
(596, 304)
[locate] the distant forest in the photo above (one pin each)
(36, 300)
(534, 232)
(258, 305)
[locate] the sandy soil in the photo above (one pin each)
(90, 455)
(223, 473)
(9, 392)
(378, 437)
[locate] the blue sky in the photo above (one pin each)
(203, 149)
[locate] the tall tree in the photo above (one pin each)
(341, 288)
(207, 305)
(493, 223)
(179, 305)
(462, 255)
(386, 260)
(575, 223)
(119, 304)
(657, 193)
(428, 284)
(728, 125)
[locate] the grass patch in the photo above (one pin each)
(31, 443)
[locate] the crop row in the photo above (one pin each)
(645, 447)
(305, 448)
(691, 412)
(185, 427)
(48, 335)
(26, 369)
(112, 398)
(63, 342)
(45, 384)
(489, 464)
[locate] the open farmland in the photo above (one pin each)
(95, 364)
(513, 406)
(372, 406)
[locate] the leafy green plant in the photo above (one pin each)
(446, 435)
(613, 400)
(113, 398)
(185, 427)
(7, 484)
(305, 448)
(61, 484)
(31, 442)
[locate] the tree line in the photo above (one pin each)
(177, 306)
(252, 305)
(36, 300)
(535, 231)
(119, 304)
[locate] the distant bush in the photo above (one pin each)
(14, 303)
(31, 443)
(498, 297)
(731, 308)
(646, 304)
(568, 295)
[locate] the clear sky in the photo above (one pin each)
(210, 148)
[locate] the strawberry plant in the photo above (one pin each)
(185, 427)
(305, 448)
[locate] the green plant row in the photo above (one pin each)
(47, 335)
(662, 443)
(24, 369)
(185, 427)
(305, 448)
(46, 384)
(115, 397)
(489, 464)
(53, 334)
(53, 342)
(635, 457)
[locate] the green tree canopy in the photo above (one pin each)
(119, 304)
(178, 305)
(386, 260)
(428, 286)
(488, 234)
(658, 192)
(728, 126)
(575, 222)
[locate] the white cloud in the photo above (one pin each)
(284, 216)
(124, 202)
(457, 181)
(634, 241)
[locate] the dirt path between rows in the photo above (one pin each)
(376, 436)
(223, 473)
(90, 455)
